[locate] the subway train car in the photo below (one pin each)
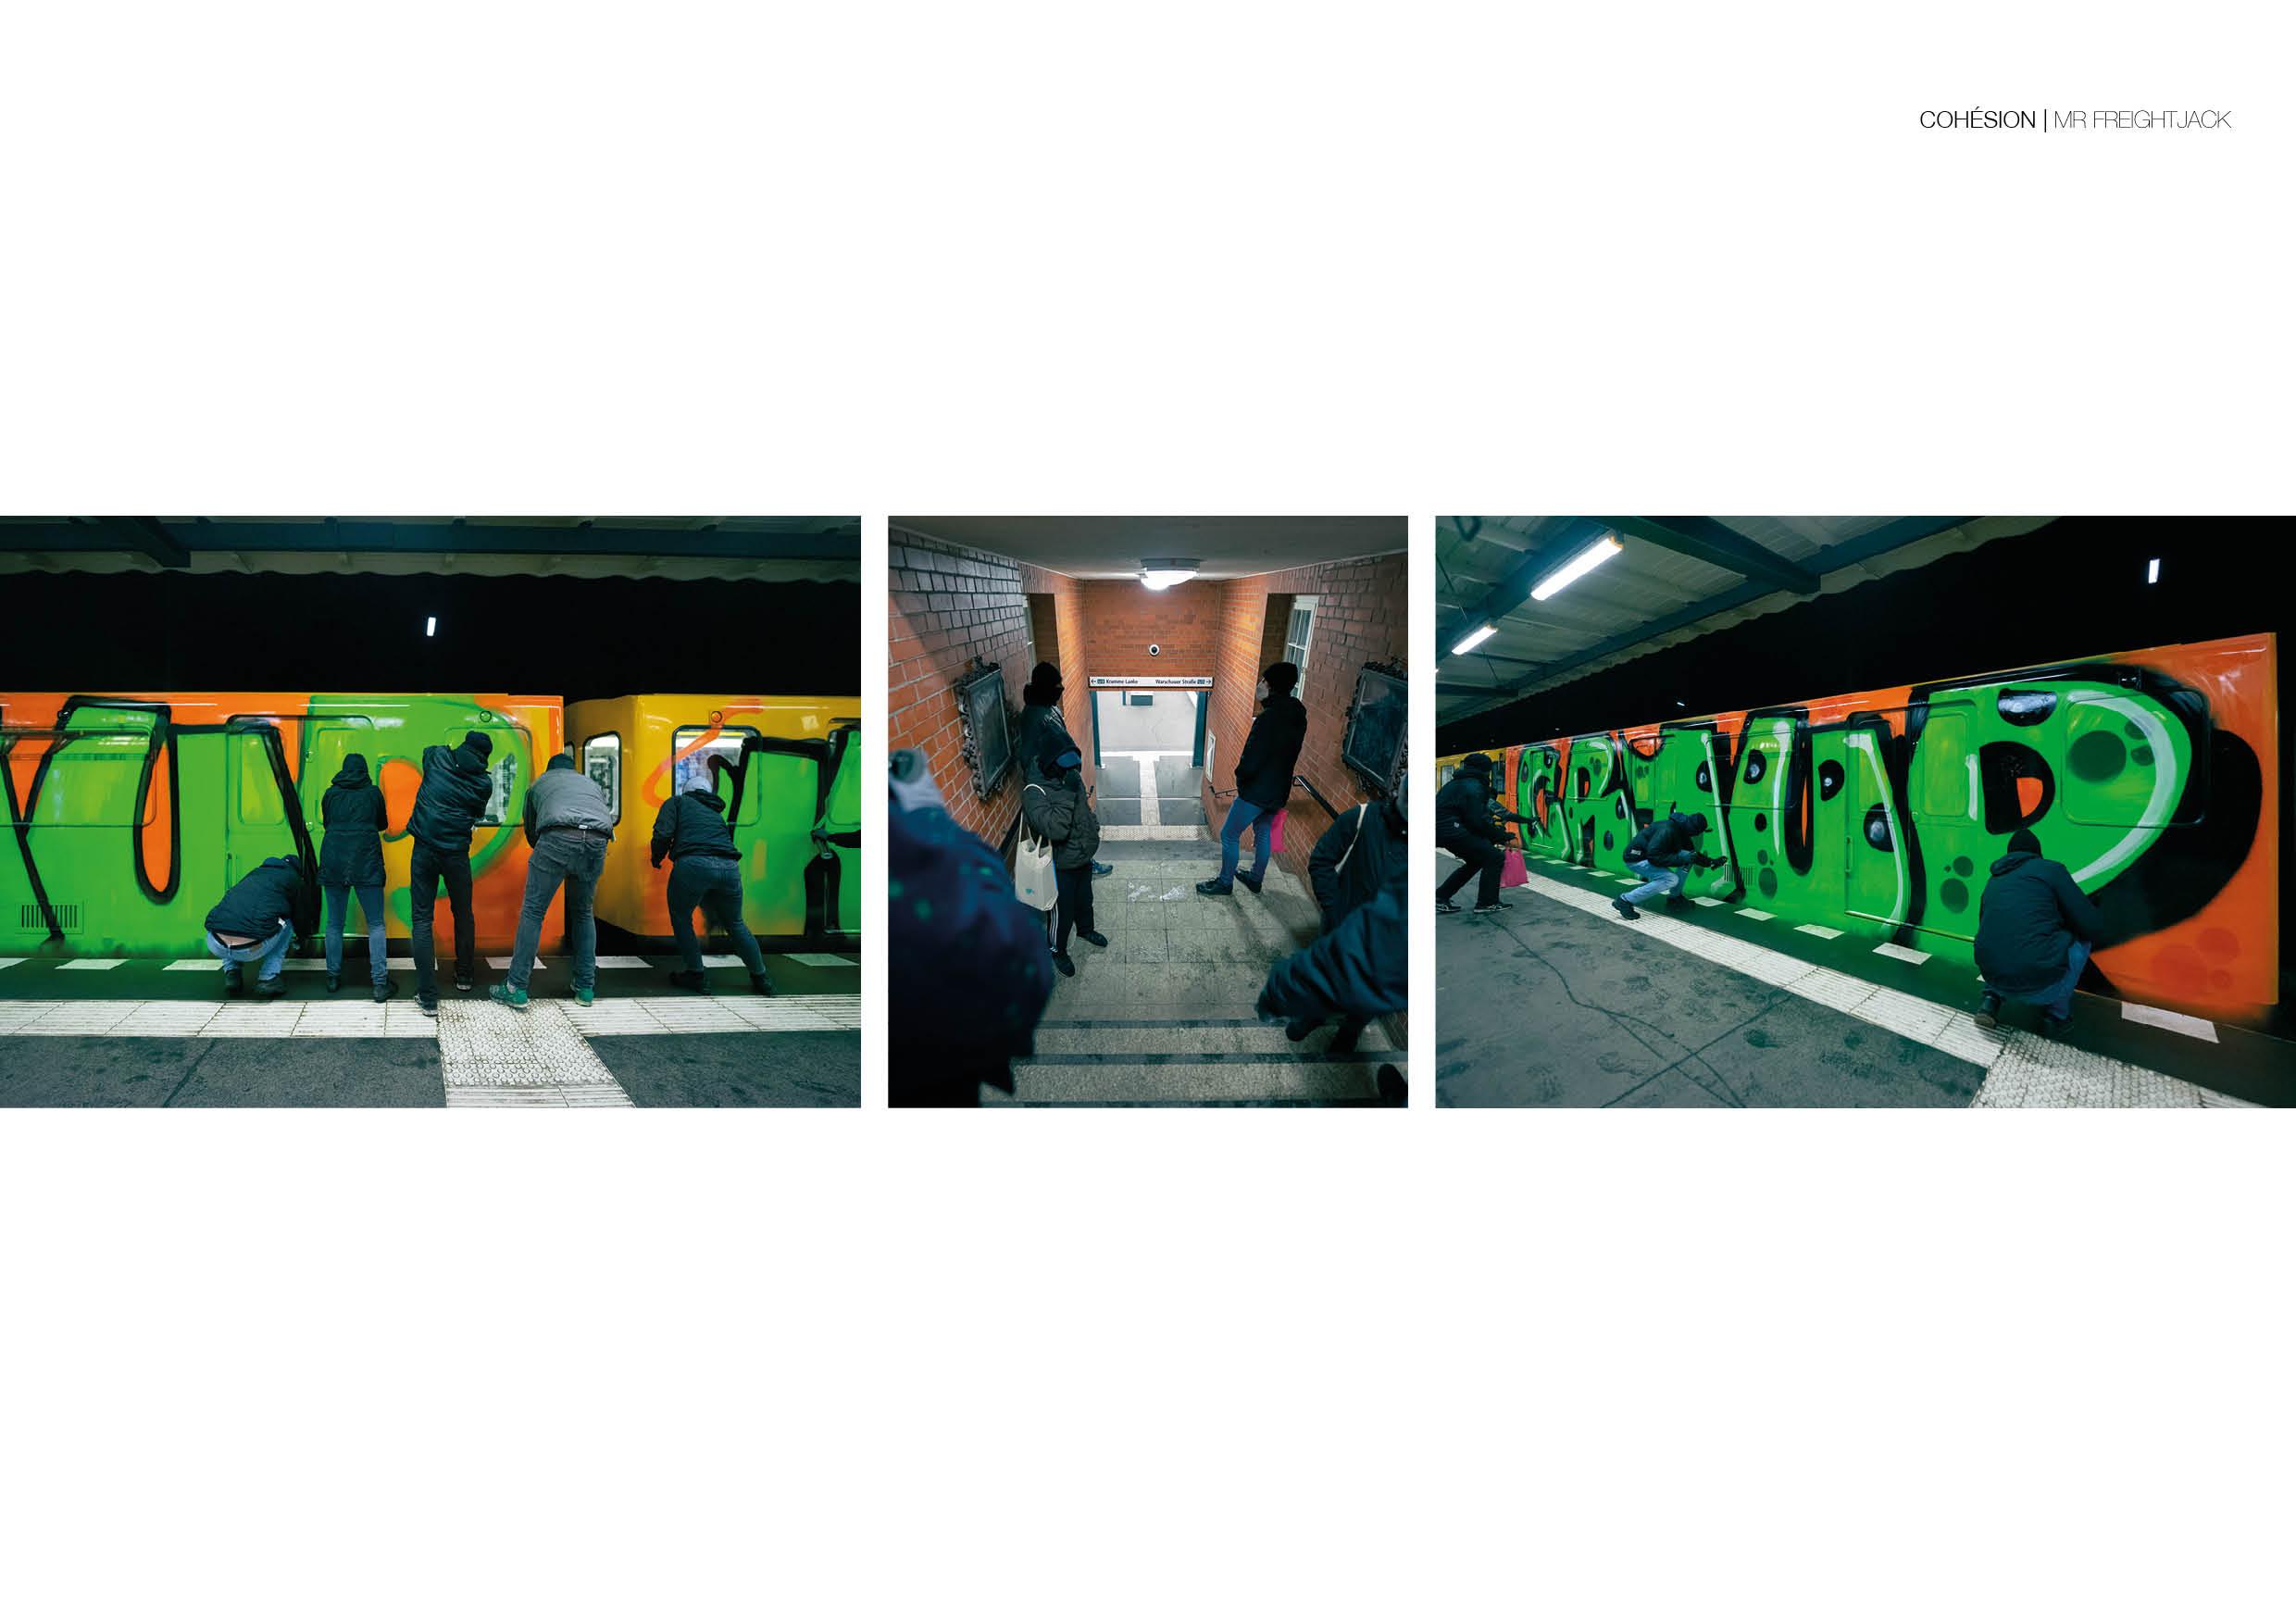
(131, 815)
(2152, 775)
(788, 770)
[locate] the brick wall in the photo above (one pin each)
(1362, 614)
(1122, 618)
(950, 606)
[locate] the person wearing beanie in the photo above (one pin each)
(1659, 851)
(568, 825)
(2036, 929)
(350, 859)
(1044, 727)
(1263, 780)
(457, 789)
(1058, 806)
(1466, 825)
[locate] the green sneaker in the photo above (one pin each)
(585, 996)
(504, 993)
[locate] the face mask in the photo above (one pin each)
(1263, 693)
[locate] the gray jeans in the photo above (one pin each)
(714, 885)
(574, 858)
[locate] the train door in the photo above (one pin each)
(326, 741)
(776, 794)
(1947, 800)
(839, 834)
(1876, 873)
(263, 819)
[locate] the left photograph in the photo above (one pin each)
(563, 810)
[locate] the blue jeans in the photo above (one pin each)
(378, 938)
(1261, 819)
(271, 951)
(714, 885)
(1662, 882)
(2056, 1000)
(574, 858)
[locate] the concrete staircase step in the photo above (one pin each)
(1190, 1079)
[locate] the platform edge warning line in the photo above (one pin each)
(491, 1055)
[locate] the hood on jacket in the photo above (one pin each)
(708, 798)
(292, 865)
(562, 762)
(1476, 765)
(478, 747)
(2026, 841)
(1042, 686)
(1693, 822)
(2013, 860)
(353, 775)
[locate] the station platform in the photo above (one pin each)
(1164, 1014)
(1558, 1001)
(136, 1031)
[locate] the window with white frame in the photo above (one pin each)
(1297, 636)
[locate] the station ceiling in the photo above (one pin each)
(1673, 580)
(1109, 548)
(827, 548)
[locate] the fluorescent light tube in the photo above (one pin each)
(1476, 638)
(1578, 564)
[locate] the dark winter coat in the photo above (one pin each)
(253, 907)
(566, 798)
(692, 825)
(1271, 751)
(1351, 863)
(2027, 921)
(1361, 968)
(352, 809)
(1043, 731)
(1463, 806)
(1666, 842)
(1059, 809)
(456, 789)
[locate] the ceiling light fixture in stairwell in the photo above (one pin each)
(1155, 574)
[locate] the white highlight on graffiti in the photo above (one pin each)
(1975, 811)
(2163, 786)
(1888, 815)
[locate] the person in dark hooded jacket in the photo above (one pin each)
(1044, 727)
(569, 827)
(1263, 780)
(705, 872)
(1659, 853)
(1348, 869)
(350, 859)
(457, 787)
(1357, 972)
(2035, 932)
(1056, 805)
(1466, 825)
(258, 919)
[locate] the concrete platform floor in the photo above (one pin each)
(1558, 1002)
(1163, 1013)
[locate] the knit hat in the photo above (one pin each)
(2025, 840)
(479, 745)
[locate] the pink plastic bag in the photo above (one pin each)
(1275, 831)
(1514, 871)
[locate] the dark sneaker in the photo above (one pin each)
(1344, 1041)
(692, 980)
(463, 983)
(1213, 888)
(1249, 883)
(234, 981)
(385, 988)
(271, 988)
(334, 982)
(1989, 1012)
(762, 986)
(2051, 1027)
(1445, 908)
(1064, 963)
(1627, 910)
(1300, 1029)
(1676, 902)
(1392, 1089)
(1094, 937)
(1493, 908)
(430, 1006)
(585, 996)
(504, 993)
(1100, 868)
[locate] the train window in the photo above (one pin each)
(694, 770)
(1946, 766)
(504, 768)
(601, 759)
(256, 781)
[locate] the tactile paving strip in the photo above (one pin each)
(823, 1012)
(491, 1055)
(2033, 1072)
(176, 1017)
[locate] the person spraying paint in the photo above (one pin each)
(457, 789)
(1466, 825)
(2036, 929)
(350, 859)
(568, 826)
(705, 872)
(1660, 851)
(1263, 780)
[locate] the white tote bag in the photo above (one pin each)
(1032, 867)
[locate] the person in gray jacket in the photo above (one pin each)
(706, 873)
(568, 825)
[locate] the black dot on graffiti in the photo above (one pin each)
(1964, 867)
(2132, 730)
(1876, 827)
(2142, 756)
(1762, 856)
(1953, 894)
(1768, 880)
(2097, 756)
(1828, 780)
(1761, 821)
(1705, 783)
(1606, 842)
(1756, 765)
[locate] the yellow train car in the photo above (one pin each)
(786, 767)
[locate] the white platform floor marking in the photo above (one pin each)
(623, 962)
(1755, 914)
(495, 1055)
(503, 963)
(2192, 1026)
(820, 960)
(1710, 902)
(1905, 955)
(1825, 930)
(240, 1017)
(93, 964)
(5, 962)
(643, 1016)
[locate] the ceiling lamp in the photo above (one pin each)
(1155, 574)
(1580, 563)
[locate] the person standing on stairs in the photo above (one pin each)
(1349, 867)
(1044, 727)
(1659, 851)
(705, 872)
(2035, 929)
(350, 859)
(456, 787)
(1466, 825)
(568, 826)
(1263, 780)
(1059, 807)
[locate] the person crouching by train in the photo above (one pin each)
(1350, 866)
(1357, 972)
(705, 872)
(455, 789)
(1659, 851)
(258, 919)
(1466, 825)
(350, 859)
(2035, 929)
(1059, 807)
(568, 828)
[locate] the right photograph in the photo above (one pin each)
(1860, 812)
